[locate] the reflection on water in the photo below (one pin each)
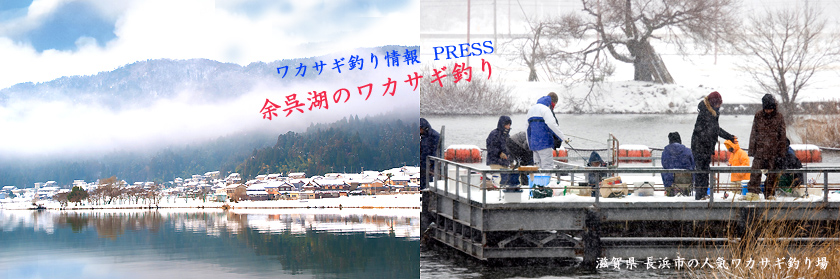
(206, 244)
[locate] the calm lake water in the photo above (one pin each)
(207, 244)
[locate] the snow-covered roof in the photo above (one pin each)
(323, 182)
(370, 173)
(352, 176)
(256, 187)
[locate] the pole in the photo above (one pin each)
(468, 29)
(495, 39)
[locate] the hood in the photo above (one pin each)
(674, 137)
(768, 102)
(503, 120)
(424, 124)
(705, 105)
(594, 157)
(545, 100)
(733, 145)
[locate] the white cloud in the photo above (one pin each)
(184, 29)
(152, 29)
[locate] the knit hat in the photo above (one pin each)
(768, 102)
(714, 99)
(674, 137)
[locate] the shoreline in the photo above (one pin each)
(812, 108)
(393, 202)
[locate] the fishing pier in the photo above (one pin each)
(488, 224)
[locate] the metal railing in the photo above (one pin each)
(441, 175)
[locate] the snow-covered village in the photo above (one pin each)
(211, 189)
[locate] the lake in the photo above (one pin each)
(208, 244)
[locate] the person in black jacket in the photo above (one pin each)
(429, 144)
(520, 154)
(789, 181)
(498, 156)
(703, 140)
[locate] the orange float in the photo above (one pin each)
(562, 152)
(463, 154)
(807, 153)
(633, 151)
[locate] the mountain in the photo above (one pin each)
(143, 82)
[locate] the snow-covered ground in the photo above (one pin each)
(499, 197)
(390, 202)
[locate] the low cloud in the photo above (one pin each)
(62, 129)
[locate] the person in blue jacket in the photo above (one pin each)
(675, 156)
(429, 144)
(543, 131)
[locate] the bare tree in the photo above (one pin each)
(624, 29)
(61, 198)
(154, 194)
(787, 47)
(529, 49)
(110, 189)
(477, 96)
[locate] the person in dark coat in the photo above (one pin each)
(498, 156)
(788, 181)
(497, 147)
(675, 156)
(767, 147)
(703, 140)
(429, 145)
(593, 178)
(520, 153)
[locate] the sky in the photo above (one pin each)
(43, 40)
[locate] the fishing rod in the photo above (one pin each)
(578, 153)
(582, 138)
